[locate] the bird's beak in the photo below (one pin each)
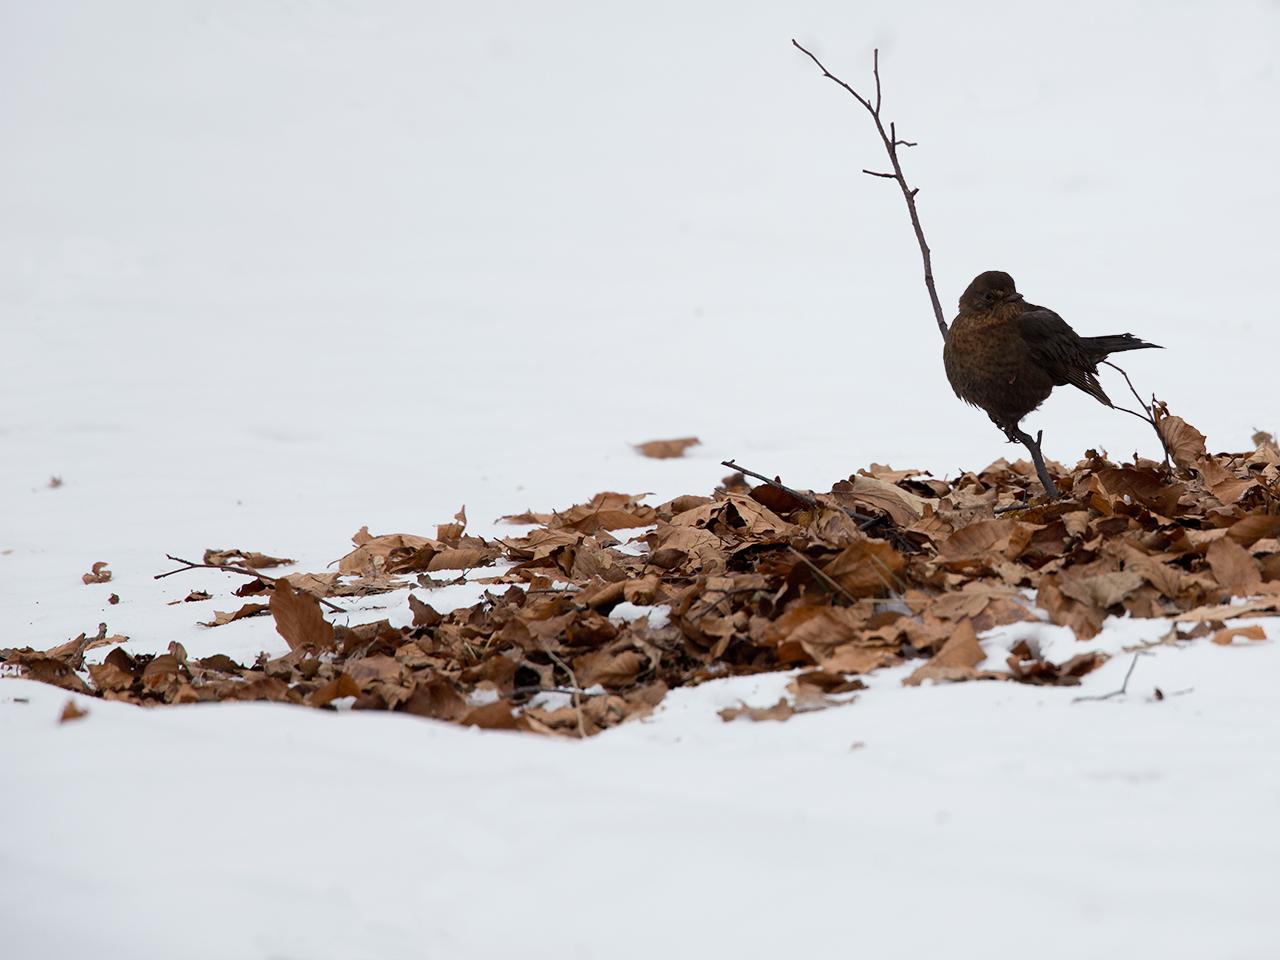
(1014, 296)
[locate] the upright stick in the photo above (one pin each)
(891, 144)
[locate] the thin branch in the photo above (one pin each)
(891, 143)
(576, 690)
(893, 134)
(806, 499)
(1149, 416)
(875, 71)
(232, 568)
(1123, 687)
(824, 577)
(864, 520)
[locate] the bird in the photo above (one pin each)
(1005, 355)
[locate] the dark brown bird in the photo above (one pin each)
(1006, 355)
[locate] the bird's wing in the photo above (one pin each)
(1057, 348)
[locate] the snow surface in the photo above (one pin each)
(273, 271)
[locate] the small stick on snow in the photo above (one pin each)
(1123, 687)
(232, 568)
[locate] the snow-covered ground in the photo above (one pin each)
(270, 272)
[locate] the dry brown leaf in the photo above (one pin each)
(491, 716)
(1233, 489)
(71, 712)
(987, 540)
(424, 615)
(610, 668)
(1184, 442)
(299, 620)
(1084, 619)
(335, 689)
(1227, 611)
(666, 449)
(1101, 590)
(373, 555)
(245, 558)
(903, 507)
(221, 618)
(1233, 567)
(955, 661)
(689, 548)
(867, 568)
(450, 532)
(782, 710)
(99, 573)
(316, 584)
(1254, 526)
(436, 698)
(1225, 637)
(1145, 486)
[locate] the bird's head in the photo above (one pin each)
(987, 290)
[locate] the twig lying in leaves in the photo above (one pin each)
(891, 144)
(864, 519)
(1123, 687)
(777, 484)
(823, 575)
(576, 689)
(232, 568)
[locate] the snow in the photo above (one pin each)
(272, 272)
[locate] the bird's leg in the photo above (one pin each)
(1010, 432)
(1037, 458)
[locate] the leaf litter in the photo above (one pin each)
(888, 567)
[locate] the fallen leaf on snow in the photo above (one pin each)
(248, 610)
(1252, 632)
(99, 573)
(245, 558)
(955, 661)
(666, 449)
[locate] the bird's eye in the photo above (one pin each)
(990, 295)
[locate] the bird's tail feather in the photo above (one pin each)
(1102, 347)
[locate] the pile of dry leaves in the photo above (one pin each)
(889, 566)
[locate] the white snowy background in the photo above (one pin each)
(271, 271)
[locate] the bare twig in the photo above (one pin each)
(864, 519)
(576, 690)
(1123, 687)
(777, 484)
(824, 577)
(891, 143)
(233, 568)
(1148, 415)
